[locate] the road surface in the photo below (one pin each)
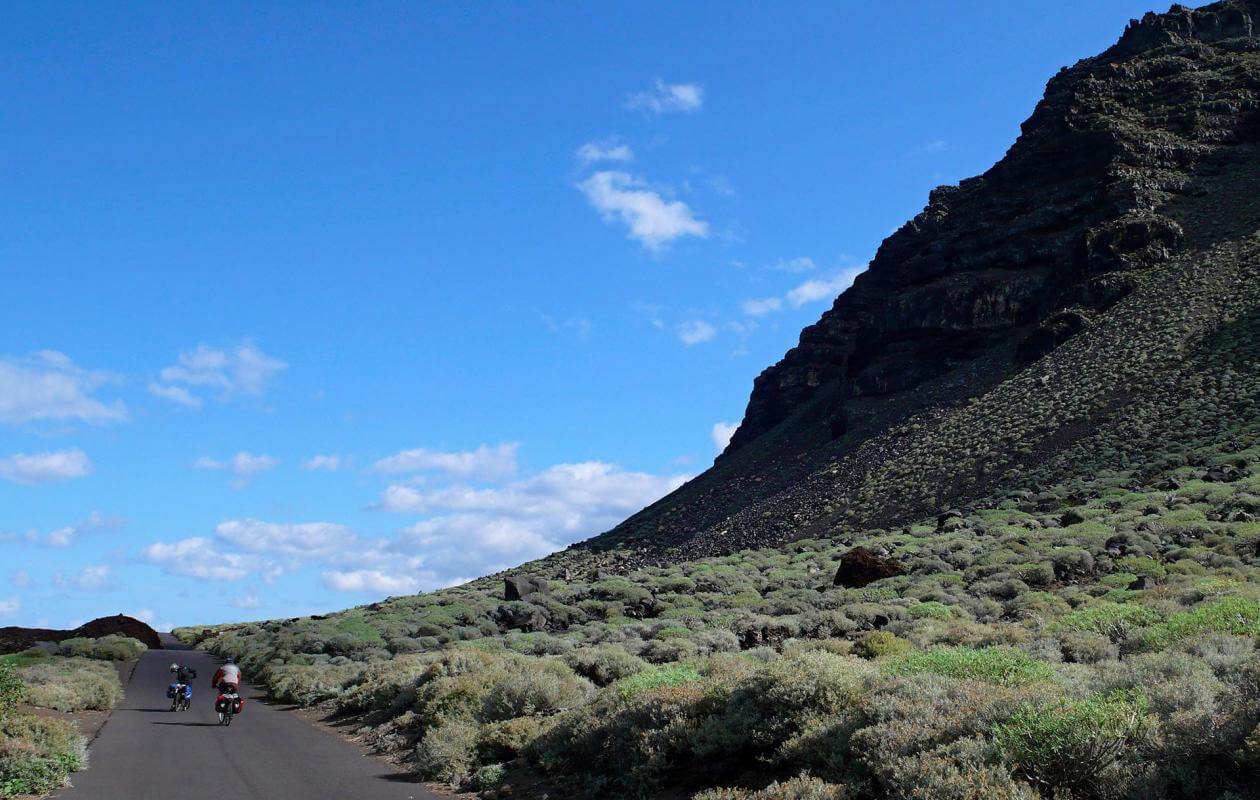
(147, 751)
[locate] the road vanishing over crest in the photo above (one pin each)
(146, 751)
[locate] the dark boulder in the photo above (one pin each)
(1071, 517)
(861, 566)
(521, 587)
(521, 616)
(1223, 473)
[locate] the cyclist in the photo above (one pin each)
(228, 675)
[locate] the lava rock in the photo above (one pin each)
(521, 587)
(860, 566)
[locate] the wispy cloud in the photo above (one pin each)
(68, 535)
(48, 385)
(92, 578)
(652, 220)
(325, 463)
(10, 607)
(799, 264)
(934, 146)
(810, 291)
(371, 580)
(822, 289)
(664, 97)
(42, 468)
(199, 558)
(761, 307)
(176, 394)
(240, 370)
(485, 463)
(695, 331)
(611, 149)
(243, 465)
(475, 530)
(721, 434)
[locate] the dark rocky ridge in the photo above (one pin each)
(1031, 313)
(13, 639)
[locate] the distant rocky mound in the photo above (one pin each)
(1059, 314)
(14, 639)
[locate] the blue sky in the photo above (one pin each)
(310, 304)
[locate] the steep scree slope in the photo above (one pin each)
(1052, 314)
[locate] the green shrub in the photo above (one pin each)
(118, 648)
(37, 754)
(306, 685)
(1236, 616)
(604, 664)
(447, 752)
(663, 676)
(542, 688)
(802, 788)
(931, 610)
(71, 684)
(1080, 748)
(1001, 665)
(1116, 621)
(878, 644)
(11, 690)
(488, 777)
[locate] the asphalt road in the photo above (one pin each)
(146, 751)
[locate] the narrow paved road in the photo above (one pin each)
(146, 751)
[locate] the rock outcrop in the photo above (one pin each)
(13, 639)
(1024, 312)
(522, 587)
(861, 566)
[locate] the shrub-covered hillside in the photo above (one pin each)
(992, 530)
(1096, 638)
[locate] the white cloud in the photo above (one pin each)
(10, 607)
(41, 468)
(721, 434)
(92, 578)
(21, 578)
(49, 386)
(652, 220)
(800, 264)
(759, 308)
(695, 332)
(371, 580)
(176, 394)
(69, 534)
(197, 557)
(244, 547)
(301, 540)
(604, 150)
(246, 601)
(665, 97)
(243, 369)
(485, 463)
(822, 289)
(809, 291)
(477, 531)
(243, 465)
(327, 463)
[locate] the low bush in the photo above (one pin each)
(802, 788)
(71, 684)
(1001, 665)
(37, 754)
(1082, 748)
(11, 690)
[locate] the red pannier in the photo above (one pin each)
(222, 702)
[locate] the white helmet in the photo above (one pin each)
(174, 667)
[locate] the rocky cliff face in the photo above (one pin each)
(1131, 169)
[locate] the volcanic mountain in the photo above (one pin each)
(1064, 312)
